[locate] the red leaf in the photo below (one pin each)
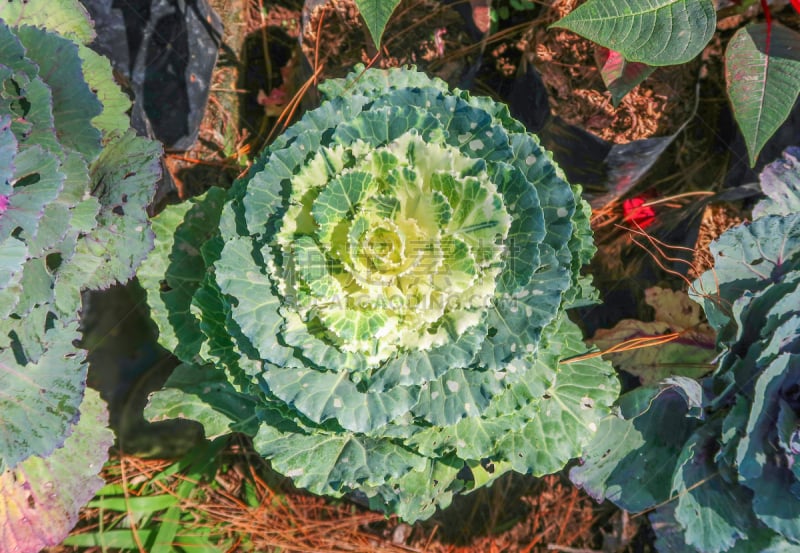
(634, 211)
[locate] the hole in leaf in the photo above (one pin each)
(17, 349)
(50, 320)
(163, 286)
(28, 180)
(118, 211)
(53, 262)
(492, 332)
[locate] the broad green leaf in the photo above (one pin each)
(325, 395)
(98, 74)
(712, 510)
(173, 271)
(653, 32)
(56, 381)
(123, 179)
(565, 417)
(335, 463)
(13, 254)
(631, 460)
(337, 200)
(421, 490)
(37, 181)
(763, 81)
(620, 75)
(376, 14)
(568, 396)
(744, 260)
(256, 309)
(40, 498)
(203, 394)
(455, 395)
(65, 17)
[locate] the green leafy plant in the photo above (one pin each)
(762, 64)
(74, 186)
(724, 450)
(381, 301)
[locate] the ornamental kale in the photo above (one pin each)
(725, 450)
(74, 183)
(381, 301)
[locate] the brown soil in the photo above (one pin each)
(567, 63)
(337, 37)
(241, 506)
(717, 218)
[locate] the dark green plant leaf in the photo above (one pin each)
(173, 272)
(204, 394)
(763, 83)
(376, 14)
(775, 487)
(712, 510)
(631, 460)
(653, 32)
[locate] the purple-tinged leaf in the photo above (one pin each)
(688, 355)
(763, 76)
(40, 499)
(780, 182)
(764, 470)
(619, 75)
